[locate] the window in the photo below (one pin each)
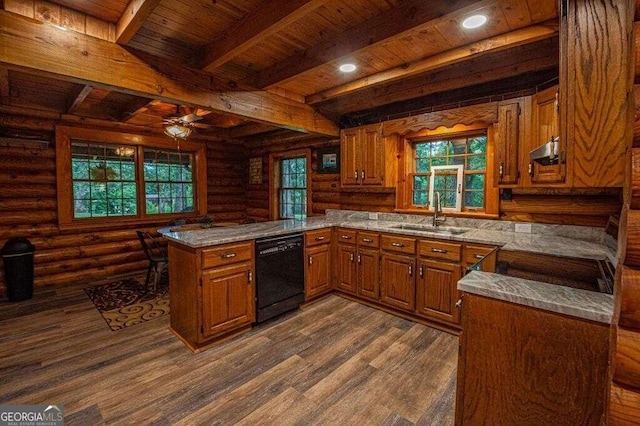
(168, 181)
(454, 167)
(289, 175)
(293, 188)
(110, 177)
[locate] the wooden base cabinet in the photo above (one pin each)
(524, 366)
(228, 299)
(369, 273)
(317, 272)
(347, 268)
(437, 292)
(397, 281)
(212, 291)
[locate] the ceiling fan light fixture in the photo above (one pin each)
(474, 21)
(177, 131)
(347, 67)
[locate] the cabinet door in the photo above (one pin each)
(369, 273)
(349, 157)
(545, 125)
(506, 143)
(397, 284)
(347, 268)
(317, 271)
(437, 291)
(227, 298)
(372, 151)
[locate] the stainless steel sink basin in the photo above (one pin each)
(431, 229)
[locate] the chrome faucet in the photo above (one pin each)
(438, 217)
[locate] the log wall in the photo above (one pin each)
(28, 208)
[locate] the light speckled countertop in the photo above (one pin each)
(549, 297)
(575, 302)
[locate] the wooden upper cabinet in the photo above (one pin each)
(349, 157)
(545, 124)
(367, 159)
(372, 152)
(507, 141)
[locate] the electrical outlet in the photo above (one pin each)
(373, 216)
(523, 227)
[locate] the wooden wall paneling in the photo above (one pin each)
(599, 79)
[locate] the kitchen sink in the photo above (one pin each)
(431, 229)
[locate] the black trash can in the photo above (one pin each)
(17, 255)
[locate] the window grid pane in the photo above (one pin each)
(469, 152)
(168, 181)
(101, 180)
(293, 188)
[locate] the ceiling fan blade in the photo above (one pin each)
(190, 118)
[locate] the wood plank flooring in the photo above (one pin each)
(333, 362)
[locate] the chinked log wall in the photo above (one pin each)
(28, 208)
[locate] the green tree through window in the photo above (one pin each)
(469, 152)
(106, 182)
(293, 188)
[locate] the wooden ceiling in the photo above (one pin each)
(256, 66)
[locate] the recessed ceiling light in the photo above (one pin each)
(474, 21)
(347, 68)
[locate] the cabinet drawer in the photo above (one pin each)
(473, 253)
(368, 239)
(314, 238)
(227, 254)
(347, 236)
(441, 250)
(399, 244)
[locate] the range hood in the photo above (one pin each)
(546, 154)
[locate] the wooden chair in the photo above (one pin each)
(158, 260)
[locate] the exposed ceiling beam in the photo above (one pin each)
(5, 89)
(134, 15)
(78, 97)
(519, 60)
(139, 106)
(31, 47)
(266, 20)
(491, 45)
(384, 27)
(249, 129)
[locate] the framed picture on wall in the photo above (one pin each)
(328, 160)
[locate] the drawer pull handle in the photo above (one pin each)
(250, 276)
(362, 175)
(437, 250)
(346, 237)
(367, 240)
(478, 256)
(397, 244)
(351, 257)
(319, 238)
(356, 174)
(228, 255)
(459, 304)
(310, 260)
(359, 259)
(410, 270)
(421, 271)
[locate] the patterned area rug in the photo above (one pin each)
(127, 302)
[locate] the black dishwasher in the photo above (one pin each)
(279, 275)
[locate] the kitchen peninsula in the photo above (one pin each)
(229, 251)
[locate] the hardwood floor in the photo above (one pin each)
(334, 362)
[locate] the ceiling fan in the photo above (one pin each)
(180, 126)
